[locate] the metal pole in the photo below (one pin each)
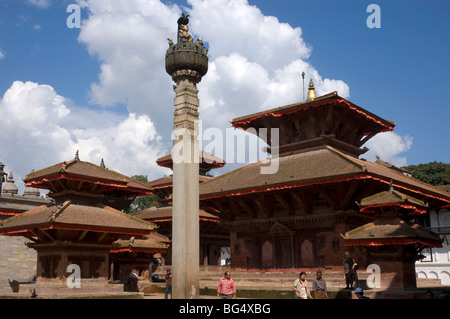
(303, 76)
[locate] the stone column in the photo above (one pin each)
(186, 63)
(185, 205)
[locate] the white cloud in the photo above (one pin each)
(44, 4)
(38, 129)
(388, 146)
(255, 64)
(235, 26)
(2, 55)
(255, 60)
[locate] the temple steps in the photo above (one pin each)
(276, 279)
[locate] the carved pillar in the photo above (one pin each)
(187, 63)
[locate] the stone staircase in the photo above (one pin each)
(270, 283)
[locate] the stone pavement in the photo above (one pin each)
(254, 284)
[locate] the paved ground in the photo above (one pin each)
(161, 296)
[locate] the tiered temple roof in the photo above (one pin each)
(77, 218)
(323, 166)
(389, 228)
(328, 119)
(391, 231)
(79, 180)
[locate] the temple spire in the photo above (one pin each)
(77, 158)
(311, 91)
(10, 187)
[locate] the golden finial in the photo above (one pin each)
(311, 91)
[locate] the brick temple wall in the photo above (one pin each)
(17, 261)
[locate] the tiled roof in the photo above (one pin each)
(167, 181)
(323, 165)
(388, 197)
(252, 120)
(205, 158)
(19, 204)
(394, 230)
(391, 199)
(75, 216)
(149, 243)
(165, 212)
(86, 171)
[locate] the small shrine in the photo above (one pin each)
(136, 252)
(391, 242)
(82, 224)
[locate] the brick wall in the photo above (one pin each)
(17, 261)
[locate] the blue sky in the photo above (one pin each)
(399, 72)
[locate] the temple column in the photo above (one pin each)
(186, 63)
(185, 237)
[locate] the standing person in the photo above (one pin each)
(319, 286)
(300, 287)
(348, 265)
(355, 274)
(168, 284)
(226, 289)
(133, 281)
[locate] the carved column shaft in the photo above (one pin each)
(186, 63)
(185, 225)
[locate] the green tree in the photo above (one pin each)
(434, 173)
(142, 202)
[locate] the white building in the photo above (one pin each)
(436, 264)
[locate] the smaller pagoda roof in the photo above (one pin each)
(392, 198)
(207, 160)
(153, 243)
(75, 216)
(86, 172)
(391, 231)
(167, 181)
(254, 120)
(164, 213)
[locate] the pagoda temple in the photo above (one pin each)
(391, 242)
(297, 216)
(83, 223)
(213, 235)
